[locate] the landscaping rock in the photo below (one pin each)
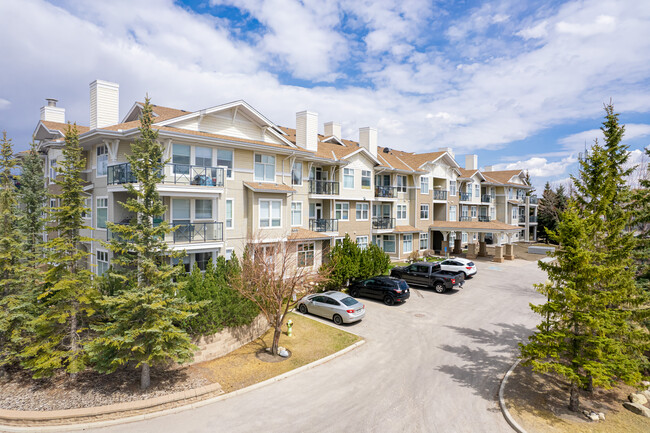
(646, 394)
(637, 398)
(594, 417)
(283, 353)
(601, 416)
(637, 408)
(645, 383)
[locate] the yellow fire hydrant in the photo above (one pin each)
(289, 327)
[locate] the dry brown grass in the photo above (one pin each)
(311, 341)
(539, 403)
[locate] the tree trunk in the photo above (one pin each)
(574, 400)
(276, 339)
(145, 377)
(74, 344)
(590, 384)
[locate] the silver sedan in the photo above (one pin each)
(337, 306)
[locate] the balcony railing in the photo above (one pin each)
(327, 187)
(486, 198)
(533, 199)
(532, 218)
(177, 174)
(484, 218)
(465, 196)
(439, 194)
(386, 191)
(323, 225)
(380, 223)
(464, 218)
(196, 233)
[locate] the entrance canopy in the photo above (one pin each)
(474, 227)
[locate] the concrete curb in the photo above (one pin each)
(502, 404)
(107, 423)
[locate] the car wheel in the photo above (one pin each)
(388, 300)
(302, 308)
(354, 293)
(337, 319)
(439, 288)
(465, 275)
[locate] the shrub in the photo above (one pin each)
(348, 262)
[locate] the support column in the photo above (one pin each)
(509, 249)
(534, 233)
(444, 247)
(458, 242)
(482, 246)
(498, 254)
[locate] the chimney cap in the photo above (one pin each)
(51, 102)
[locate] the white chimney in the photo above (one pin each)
(52, 113)
(487, 168)
(333, 129)
(448, 150)
(368, 139)
(104, 104)
(471, 162)
(307, 130)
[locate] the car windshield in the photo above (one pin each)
(349, 301)
(402, 285)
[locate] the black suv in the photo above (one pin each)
(388, 289)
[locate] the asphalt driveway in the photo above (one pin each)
(430, 365)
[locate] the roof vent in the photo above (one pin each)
(386, 150)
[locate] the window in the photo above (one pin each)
(509, 193)
(407, 246)
(464, 238)
(88, 204)
(477, 190)
(362, 242)
(102, 262)
(296, 173)
(424, 211)
(424, 241)
(401, 211)
(464, 213)
(473, 211)
(452, 213)
(362, 211)
(228, 254)
(102, 212)
(365, 179)
(306, 254)
(452, 187)
(338, 241)
(342, 211)
(270, 213)
(229, 210)
(102, 160)
(389, 243)
(296, 213)
(265, 168)
(401, 183)
(468, 190)
(424, 185)
(493, 213)
(203, 209)
(181, 210)
(185, 261)
(224, 159)
(348, 178)
(181, 158)
(203, 156)
(514, 214)
(52, 168)
(202, 259)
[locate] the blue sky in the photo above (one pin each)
(521, 84)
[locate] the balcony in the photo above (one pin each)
(486, 198)
(532, 218)
(439, 194)
(386, 191)
(325, 187)
(533, 199)
(192, 233)
(383, 223)
(464, 218)
(176, 174)
(484, 218)
(465, 196)
(323, 225)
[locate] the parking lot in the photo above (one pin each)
(432, 364)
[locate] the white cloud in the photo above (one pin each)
(538, 167)
(602, 24)
(537, 31)
(4, 104)
(580, 141)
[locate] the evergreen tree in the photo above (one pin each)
(68, 293)
(144, 315)
(12, 256)
(547, 217)
(590, 333)
(343, 264)
(33, 196)
(642, 224)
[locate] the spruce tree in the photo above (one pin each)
(33, 196)
(144, 315)
(12, 260)
(60, 330)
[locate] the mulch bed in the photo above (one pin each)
(18, 391)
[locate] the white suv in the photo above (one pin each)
(459, 265)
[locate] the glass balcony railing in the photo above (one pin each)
(464, 218)
(327, 187)
(439, 194)
(380, 223)
(484, 218)
(196, 233)
(486, 198)
(532, 218)
(533, 199)
(386, 191)
(177, 174)
(323, 225)
(465, 196)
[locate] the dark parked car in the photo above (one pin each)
(387, 289)
(429, 275)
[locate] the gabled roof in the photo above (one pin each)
(48, 130)
(503, 177)
(160, 113)
(468, 174)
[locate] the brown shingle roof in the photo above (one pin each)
(299, 234)
(62, 127)
(502, 177)
(474, 225)
(268, 187)
(406, 229)
(467, 173)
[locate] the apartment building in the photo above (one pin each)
(234, 177)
